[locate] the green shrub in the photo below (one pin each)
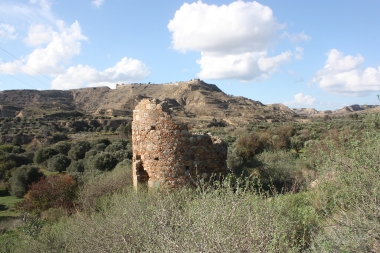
(44, 154)
(18, 159)
(6, 169)
(76, 167)
(99, 147)
(57, 137)
(58, 163)
(6, 148)
(78, 150)
(348, 193)
(18, 150)
(279, 169)
(90, 154)
(221, 220)
(63, 147)
(21, 178)
(121, 155)
(105, 184)
(103, 161)
(234, 161)
(104, 141)
(117, 145)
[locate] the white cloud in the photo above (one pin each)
(126, 70)
(39, 34)
(301, 99)
(51, 59)
(233, 39)
(246, 66)
(20, 14)
(294, 38)
(345, 75)
(97, 3)
(45, 4)
(7, 31)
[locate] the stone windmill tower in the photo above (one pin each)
(166, 155)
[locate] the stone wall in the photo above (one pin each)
(166, 155)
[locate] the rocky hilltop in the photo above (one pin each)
(311, 112)
(193, 99)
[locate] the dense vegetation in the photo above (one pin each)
(310, 187)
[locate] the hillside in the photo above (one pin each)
(311, 112)
(192, 100)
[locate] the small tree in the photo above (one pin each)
(79, 149)
(54, 191)
(21, 178)
(63, 147)
(44, 154)
(103, 161)
(58, 163)
(76, 166)
(117, 145)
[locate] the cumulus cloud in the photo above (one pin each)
(7, 31)
(126, 70)
(346, 75)
(53, 47)
(60, 47)
(301, 99)
(97, 3)
(246, 66)
(233, 39)
(38, 35)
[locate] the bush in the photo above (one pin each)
(58, 163)
(5, 170)
(248, 145)
(224, 220)
(234, 161)
(18, 159)
(121, 155)
(63, 147)
(78, 150)
(44, 154)
(104, 141)
(99, 147)
(103, 161)
(18, 150)
(57, 137)
(76, 167)
(6, 148)
(54, 191)
(21, 178)
(280, 169)
(90, 154)
(117, 145)
(105, 184)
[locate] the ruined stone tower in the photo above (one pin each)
(166, 155)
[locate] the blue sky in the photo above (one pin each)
(321, 54)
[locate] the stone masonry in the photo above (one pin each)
(166, 155)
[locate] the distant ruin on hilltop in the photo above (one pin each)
(166, 155)
(192, 81)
